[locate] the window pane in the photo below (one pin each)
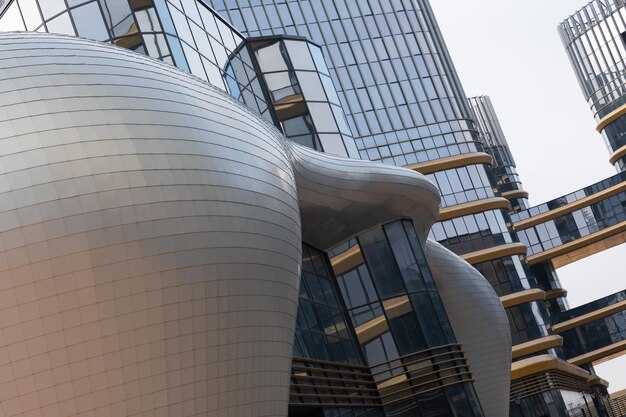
(89, 22)
(61, 24)
(30, 11)
(12, 20)
(311, 86)
(299, 55)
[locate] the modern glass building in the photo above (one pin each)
(503, 165)
(405, 106)
(594, 40)
(382, 320)
(231, 325)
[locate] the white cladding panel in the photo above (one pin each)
(150, 240)
(480, 324)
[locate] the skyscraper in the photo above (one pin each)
(388, 322)
(594, 41)
(405, 106)
(202, 331)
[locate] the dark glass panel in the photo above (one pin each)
(379, 259)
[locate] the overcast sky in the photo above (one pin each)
(511, 51)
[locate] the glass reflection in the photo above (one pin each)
(300, 97)
(191, 37)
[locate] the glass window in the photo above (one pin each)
(194, 62)
(280, 85)
(261, 18)
(231, 41)
(311, 86)
(147, 20)
(314, 287)
(299, 55)
(208, 19)
(333, 144)
(164, 14)
(191, 10)
(202, 41)
(298, 125)
(12, 20)
(31, 14)
(381, 349)
(221, 55)
(285, 16)
(214, 74)
(381, 264)
(89, 22)
(270, 58)
(51, 8)
(322, 117)
(118, 16)
(407, 334)
(330, 90)
(182, 26)
(404, 257)
(177, 53)
(61, 24)
(340, 118)
(429, 322)
(73, 3)
(156, 46)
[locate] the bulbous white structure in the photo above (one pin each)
(479, 323)
(150, 240)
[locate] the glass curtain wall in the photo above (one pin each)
(403, 328)
(405, 106)
(304, 97)
(595, 40)
(324, 334)
(184, 33)
(395, 81)
(503, 166)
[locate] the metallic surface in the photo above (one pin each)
(405, 106)
(150, 239)
(191, 36)
(342, 197)
(151, 235)
(480, 324)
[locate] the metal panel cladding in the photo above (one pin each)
(150, 239)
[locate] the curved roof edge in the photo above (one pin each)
(342, 197)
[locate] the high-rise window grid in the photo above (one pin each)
(382, 57)
(185, 33)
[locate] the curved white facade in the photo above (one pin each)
(150, 240)
(479, 323)
(341, 197)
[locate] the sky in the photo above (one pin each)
(511, 51)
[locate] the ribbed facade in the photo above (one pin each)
(152, 255)
(503, 165)
(594, 39)
(171, 250)
(405, 106)
(322, 289)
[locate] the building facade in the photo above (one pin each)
(593, 38)
(164, 278)
(381, 321)
(202, 331)
(405, 106)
